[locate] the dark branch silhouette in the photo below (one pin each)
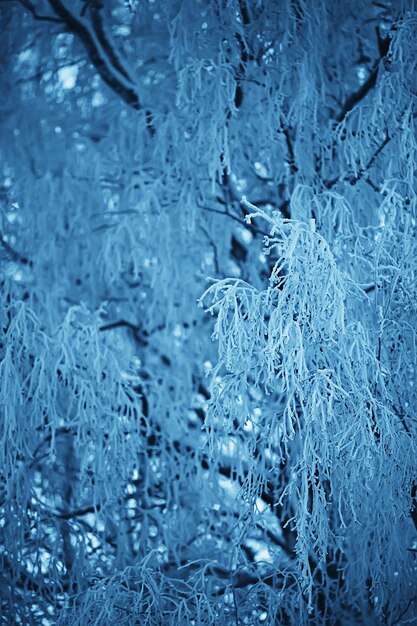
(117, 80)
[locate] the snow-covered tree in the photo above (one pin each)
(160, 465)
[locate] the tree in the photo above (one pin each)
(150, 475)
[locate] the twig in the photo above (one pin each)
(119, 324)
(18, 258)
(67, 515)
(102, 61)
(41, 18)
(404, 612)
(291, 161)
(97, 22)
(232, 217)
(371, 161)
(360, 94)
(136, 329)
(329, 184)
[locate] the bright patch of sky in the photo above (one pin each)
(98, 99)
(261, 169)
(67, 76)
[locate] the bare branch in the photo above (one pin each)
(253, 229)
(136, 329)
(118, 81)
(97, 21)
(329, 184)
(27, 4)
(369, 84)
(359, 95)
(291, 161)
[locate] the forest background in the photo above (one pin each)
(251, 460)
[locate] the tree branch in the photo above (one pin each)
(27, 4)
(233, 217)
(118, 81)
(67, 515)
(136, 329)
(291, 161)
(369, 84)
(360, 94)
(371, 161)
(329, 184)
(244, 56)
(97, 22)
(15, 256)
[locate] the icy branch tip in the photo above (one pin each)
(248, 204)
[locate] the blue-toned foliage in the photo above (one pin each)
(240, 452)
